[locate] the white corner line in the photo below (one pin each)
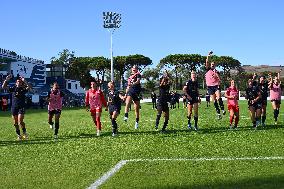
(121, 163)
(108, 174)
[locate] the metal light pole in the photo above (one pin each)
(112, 21)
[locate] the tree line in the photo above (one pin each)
(178, 66)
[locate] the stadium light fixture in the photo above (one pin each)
(112, 21)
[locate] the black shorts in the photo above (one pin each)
(264, 102)
(256, 106)
(193, 101)
(164, 107)
(135, 95)
(18, 110)
(114, 108)
(54, 112)
(277, 102)
(212, 89)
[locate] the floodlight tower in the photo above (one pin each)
(112, 21)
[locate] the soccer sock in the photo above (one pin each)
(17, 129)
(137, 119)
(114, 125)
(254, 123)
(231, 119)
(257, 119)
(24, 130)
(263, 119)
(195, 121)
(23, 126)
(221, 104)
(275, 114)
(56, 128)
(126, 115)
(158, 119)
(99, 126)
(236, 121)
(188, 119)
(217, 106)
(165, 124)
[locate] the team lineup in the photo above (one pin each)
(257, 92)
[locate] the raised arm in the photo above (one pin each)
(207, 60)
(5, 83)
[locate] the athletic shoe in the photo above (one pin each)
(263, 124)
(136, 125)
(189, 126)
(236, 127)
(51, 126)
(231, 127)
(224, 112)
(98, 133)
(25, 136)
(114, 134)
(275, 123)
(257, 123)
(19, 138)
(55, 137)
(125, 119)
(219, 116)
(163, 131)
(195, 128)
(156, 127)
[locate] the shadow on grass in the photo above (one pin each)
(168, 133)
(271, 182)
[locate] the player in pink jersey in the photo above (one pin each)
(232, 94)
(95, 100)
(213, 85)
(55, 97)
(275, 95)
(133, 94)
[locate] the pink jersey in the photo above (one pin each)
(233, 91)
(55, 100)
(275, 92)
(212, 78)
(95, 98)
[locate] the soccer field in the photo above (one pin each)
(213, 157)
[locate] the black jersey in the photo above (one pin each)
(263, 87)
(252, 92)
(164, 93)
(132, 79)
(192, 88)
(18, 96)
(113, 98)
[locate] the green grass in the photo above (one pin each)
(79, 157)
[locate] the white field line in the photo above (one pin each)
(121, 163)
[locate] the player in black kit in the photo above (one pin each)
(253, 95)
(192, 94)
(263, 87)
(114, 106)
(163, 99)
(18, 104)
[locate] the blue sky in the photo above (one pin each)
(249, 30)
